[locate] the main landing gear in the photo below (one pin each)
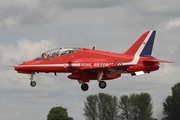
(32, 83)
(102, 84)
(85, 87)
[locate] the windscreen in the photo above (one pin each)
(58, 52)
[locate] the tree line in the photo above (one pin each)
(103, 106)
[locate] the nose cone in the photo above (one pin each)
(23, 68)
(17, 67)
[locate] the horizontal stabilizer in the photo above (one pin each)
(158, 60)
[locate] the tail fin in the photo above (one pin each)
(144, 45)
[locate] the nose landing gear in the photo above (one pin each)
(32, 83)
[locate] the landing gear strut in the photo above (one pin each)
(84, 87)
(102, 84)
(32, 83)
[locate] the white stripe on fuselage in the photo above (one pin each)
(133, 62)
(55, 65)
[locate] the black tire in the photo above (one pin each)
(84, 87)
(102, 84)
(33, 83)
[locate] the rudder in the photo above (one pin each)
(143, 46)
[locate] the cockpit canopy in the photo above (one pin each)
(57, 52)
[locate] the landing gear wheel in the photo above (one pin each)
(84, 87)
(102, 84)
(33, 83)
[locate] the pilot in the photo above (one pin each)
(55, 54)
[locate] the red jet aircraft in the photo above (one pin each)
(85, 64)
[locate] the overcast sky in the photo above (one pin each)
(30, 27)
